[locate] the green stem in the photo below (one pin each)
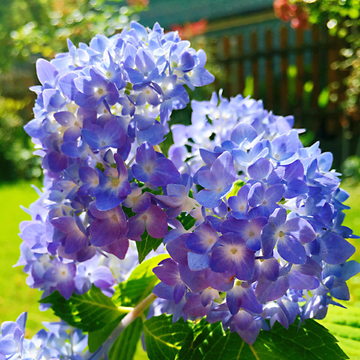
(125, 309)
(125, 322)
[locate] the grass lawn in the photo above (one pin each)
(16, 296)
(344, 324)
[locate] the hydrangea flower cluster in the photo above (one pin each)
(61, 341)
(255, 218)
(212, 123)
(99, 109)
(268, 243)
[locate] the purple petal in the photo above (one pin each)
(261, 169)
(104, 231)
(301, 229)
(164, 173)
(256, 194)
(107, 199)
(195, 280)
(118, 248)
(102, 277)
(338, 249)
(67, 85)
(75, 241)
(270, 269)
(298, 281)
(164, 291)
(271, 290)
(156, 223)
(291, 249)
(243, 320)
(8, 345)
(66, 288)
(195, 308)
(220, 261)
(198, 262)
(177, 249)
(46, 71)
(65, 118)
(168, 272)
(243, 132)
(179, 292)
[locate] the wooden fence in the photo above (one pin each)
(292, 71)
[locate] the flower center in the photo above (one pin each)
(148, 168)
(115, 182)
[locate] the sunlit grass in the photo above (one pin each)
(15, 295)
(352, 220)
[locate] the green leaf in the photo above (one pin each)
(189, 341)
(164, 338)
(146, 244)
(128, 211)
(344, 324)
(187, 221)
(140, 283)
(98, 337)
(89, 312)
(312, 341)
(125, 345)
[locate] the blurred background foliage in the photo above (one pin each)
(39, 28)
(342, 19)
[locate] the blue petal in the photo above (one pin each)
(198, 262)
(208, 198)
(338, 249)
(291, 250)
(46, 71)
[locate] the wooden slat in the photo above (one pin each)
(255, 64)
(299, 62)
(241, 67)
(284, 63)
(269, 71)
(315, 65)
(226, 49)
(213, 44)
(333, 75)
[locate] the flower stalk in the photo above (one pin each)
(125, 322)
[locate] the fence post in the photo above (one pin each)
(254, 64)
(299, 62)
(269, 71)
(241, 68)
(315, 64)
(284, 63)
(226, 49)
